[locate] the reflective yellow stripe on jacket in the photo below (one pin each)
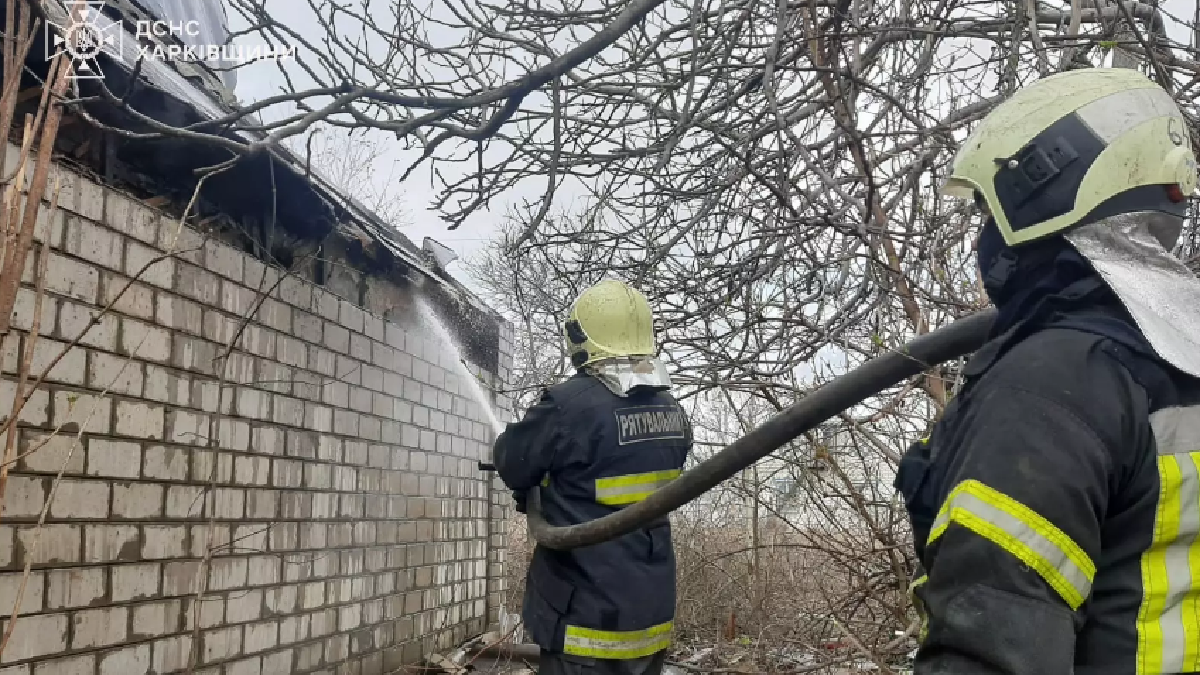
(616, 644)
(1019, 530)
(1167, 623)
(919, 606)
(623, 490)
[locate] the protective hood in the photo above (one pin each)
(1048, 284)
(622, 374)
(1156, 289)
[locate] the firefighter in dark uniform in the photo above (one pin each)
(1056, 504)
(595, 443)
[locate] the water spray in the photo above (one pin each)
(474, 383)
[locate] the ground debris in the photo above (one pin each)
(745, 656)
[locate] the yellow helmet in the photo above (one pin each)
(609, 319)
(1077, 147)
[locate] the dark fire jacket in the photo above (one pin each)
(593, 452)
(1055, 510)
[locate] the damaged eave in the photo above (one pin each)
(179, 96)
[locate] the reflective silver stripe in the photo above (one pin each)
(1176, 430)
(1169, 617)
(1179, 574)
(1023, 533)
(1115, 114)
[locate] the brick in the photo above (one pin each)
(133, 660)
(275, 314)
(70, 365)
(167, 386)
(114, 373)
(106, 543)
(31, 598)
(221, 644)
(307, 327)
(309, 656)
(361, 399)
(198, 284)
(252, 470)
(336, 394)
(261, 637)
(224, 260)
(233, 434)
(208, 394)
(268, 440)
(187, 427)
(322, 361)
(360, 347)
(295, 291)
(139, 420)
(180, 314)
(114, 459)
(229, 504)
(127, 297)
(131, 582)
(156, 618)
(91, 200)
(164, 542)
(92, 413)
(184, 501)
(149, 265)
(210, 615)
(173, 236)
(277, 662)
(291, 351)
(171, 654)
(93, 243)
(79, 587)
(219, 328)
(35, 636)
(99, 627)
(84, 664)
(318, 418)
(372, 378)
(244, 606)
(72, 278)
(288, 473)
(131, 217)
(48, 229)
(253, 404)
(345, 422)
(337, 338)
(347, 370)
(80, 499)
(24, 497)
(144, 341)
(137, 500)
(246, 667)
(264, 570)
(165, 463)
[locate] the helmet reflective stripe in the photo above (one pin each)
(1074, 147)
(1118, 113)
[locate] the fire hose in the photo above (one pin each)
(949, 342)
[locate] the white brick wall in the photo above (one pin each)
(349, 525)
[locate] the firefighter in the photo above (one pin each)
(1056, 504)
(601, 440)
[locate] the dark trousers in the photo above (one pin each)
(567, 664)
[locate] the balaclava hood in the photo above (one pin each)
(1047, 283)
